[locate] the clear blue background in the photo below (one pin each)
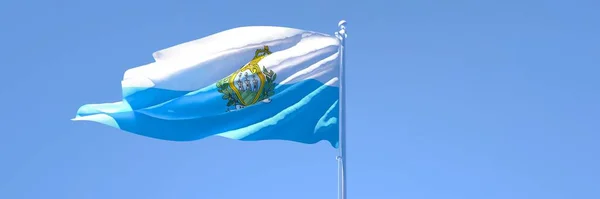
(447, 99)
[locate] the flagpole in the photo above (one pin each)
(341, 35)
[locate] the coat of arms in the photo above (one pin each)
(249, 84)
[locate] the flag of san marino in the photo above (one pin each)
(247, 83)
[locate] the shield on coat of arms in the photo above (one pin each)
(249, 84)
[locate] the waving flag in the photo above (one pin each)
(247, 83)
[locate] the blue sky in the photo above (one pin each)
(446, 99)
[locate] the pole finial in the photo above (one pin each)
(342, 23)
(341, 34)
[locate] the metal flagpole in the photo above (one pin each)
(341, 35)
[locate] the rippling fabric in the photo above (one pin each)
(249, 83)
